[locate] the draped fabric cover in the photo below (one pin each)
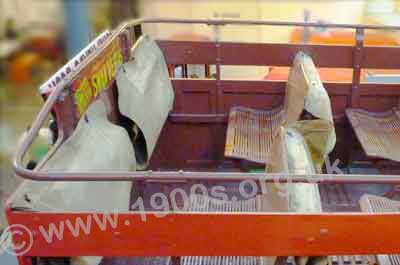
(145, 92)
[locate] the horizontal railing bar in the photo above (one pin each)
(184, 175)
(263, 23)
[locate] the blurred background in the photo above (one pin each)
(38, 36)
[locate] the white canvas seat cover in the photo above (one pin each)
(291, 155)
(305, 90)
(95, 145)
(301, 147)
(145, 93)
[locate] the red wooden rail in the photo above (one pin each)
(209, 234)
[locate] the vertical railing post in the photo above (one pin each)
(219, 94)
(355, 92)
(218, 97)
(357, 59)
(135, 32)
(137, 29)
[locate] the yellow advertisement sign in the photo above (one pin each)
(97, 76)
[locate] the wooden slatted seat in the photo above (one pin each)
(378, 133)
(378, 204)
(250, 132)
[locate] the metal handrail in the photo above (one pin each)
(260, 23)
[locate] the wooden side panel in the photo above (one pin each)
(249, 87)
(261, 101)
(194, 96)
(263, 95)
(186, 145)
(381, 57)
(371, 89)
(194, 135)
(338, 89)
(378, 104)
(283, 54)
(339, 105)
(202, 104)
(188, 52)
(379, 97)
(267, 95)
